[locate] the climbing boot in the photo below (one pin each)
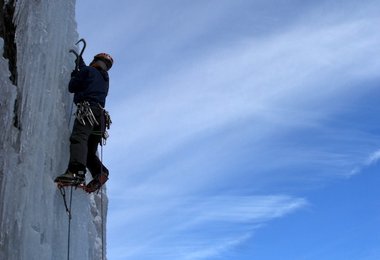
(71, 179)
(97, 182)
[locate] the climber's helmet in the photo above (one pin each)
(104, 57)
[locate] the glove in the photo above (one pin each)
(80, 61)
(74, 73)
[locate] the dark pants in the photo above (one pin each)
(84, 142)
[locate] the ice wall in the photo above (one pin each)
(35, 114)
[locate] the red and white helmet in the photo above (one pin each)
(106, 58)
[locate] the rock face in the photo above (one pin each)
(35, 119)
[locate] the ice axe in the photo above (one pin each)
(79, 56)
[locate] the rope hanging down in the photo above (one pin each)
(68, 211)
(101, 202)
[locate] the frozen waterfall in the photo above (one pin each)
(35, 111)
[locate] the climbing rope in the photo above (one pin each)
(101, 201)
(68, 211)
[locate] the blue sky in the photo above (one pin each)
(241, 129)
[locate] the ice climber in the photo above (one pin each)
(90, 87)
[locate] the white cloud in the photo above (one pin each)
(373, 158)
(291, 80)
(296, 79)
(196, 228)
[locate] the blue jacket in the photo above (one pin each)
(89, 84)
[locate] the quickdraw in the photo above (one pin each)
(107, 122)
(107, 119)
(84, 113)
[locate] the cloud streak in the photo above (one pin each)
(373, 158)
(229, 220)
(288, 81)
(207, 129)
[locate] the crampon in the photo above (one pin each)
(63, 184)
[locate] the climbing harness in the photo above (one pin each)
(84, 113)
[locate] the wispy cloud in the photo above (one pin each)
(292, 80)
(178, 231)
(237, 118)
(373, 158)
